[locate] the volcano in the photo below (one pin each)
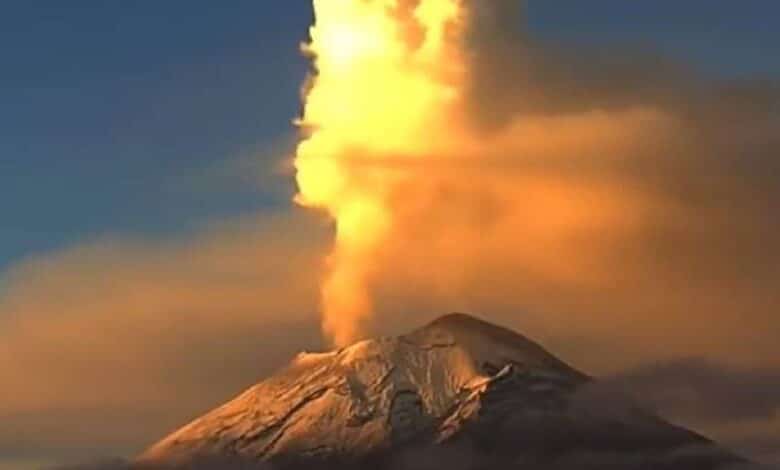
(458, 393)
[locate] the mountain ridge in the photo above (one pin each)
(458, 385)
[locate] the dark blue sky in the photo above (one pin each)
(119, 117)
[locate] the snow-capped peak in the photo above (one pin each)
(458, 379)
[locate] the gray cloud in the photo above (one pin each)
(698, 389)
(739, 406)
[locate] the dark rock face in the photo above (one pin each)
(457, 394)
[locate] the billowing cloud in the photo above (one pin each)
(605, 194)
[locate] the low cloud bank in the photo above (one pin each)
(107, 346)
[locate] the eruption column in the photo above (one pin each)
(385, 87)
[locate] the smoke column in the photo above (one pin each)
(388, 77)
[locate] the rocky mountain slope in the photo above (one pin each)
(458, 393)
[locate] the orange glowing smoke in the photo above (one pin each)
(387, 82)
(398, 154)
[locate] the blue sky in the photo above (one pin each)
(126, 117)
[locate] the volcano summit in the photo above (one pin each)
(458, 393)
